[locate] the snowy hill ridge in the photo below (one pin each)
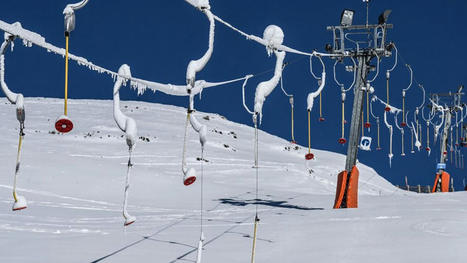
(74, 183)
(161, 130)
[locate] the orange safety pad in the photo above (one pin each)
(352, 192)
(445, 177)
(435, 184)
(340, 188)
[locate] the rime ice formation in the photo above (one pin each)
(312, 95)
(15, 98)
(200, 129)
(273, 35)
(201, 4)
(196, 66)
(390, 155)
(69, 12)
(125, 123)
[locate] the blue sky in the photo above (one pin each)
(158, 39)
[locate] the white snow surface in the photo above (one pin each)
(74, 185)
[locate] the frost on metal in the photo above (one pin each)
(273, 35)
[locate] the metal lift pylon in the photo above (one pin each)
(364, 51)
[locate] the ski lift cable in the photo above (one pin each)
(29, 38)
(279, 47)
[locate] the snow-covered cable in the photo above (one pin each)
(279, 47)
(322, 83)
(14, 98)
(196, 66)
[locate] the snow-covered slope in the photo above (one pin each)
(74, 186)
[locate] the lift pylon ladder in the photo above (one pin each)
(372, 45)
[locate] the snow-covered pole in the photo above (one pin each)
(273, 35)
(128, 126)
(69, 13)
(390, 155)
(195, 66)
(17, 99)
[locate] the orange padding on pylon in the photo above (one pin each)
(340, 189)
(445, 177)
(352, 191)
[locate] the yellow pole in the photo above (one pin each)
(387, 91)
(378, 135)
(403, 108)
(367, 107)
(343, 119)
(363, 130)
(66, 73)
(427, 136)
(17, 164)
(253, 251)
(293, 138)
(320, 107)
(309, 133)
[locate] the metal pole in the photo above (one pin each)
(357, 110)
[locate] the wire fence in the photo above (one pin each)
(421, 188)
